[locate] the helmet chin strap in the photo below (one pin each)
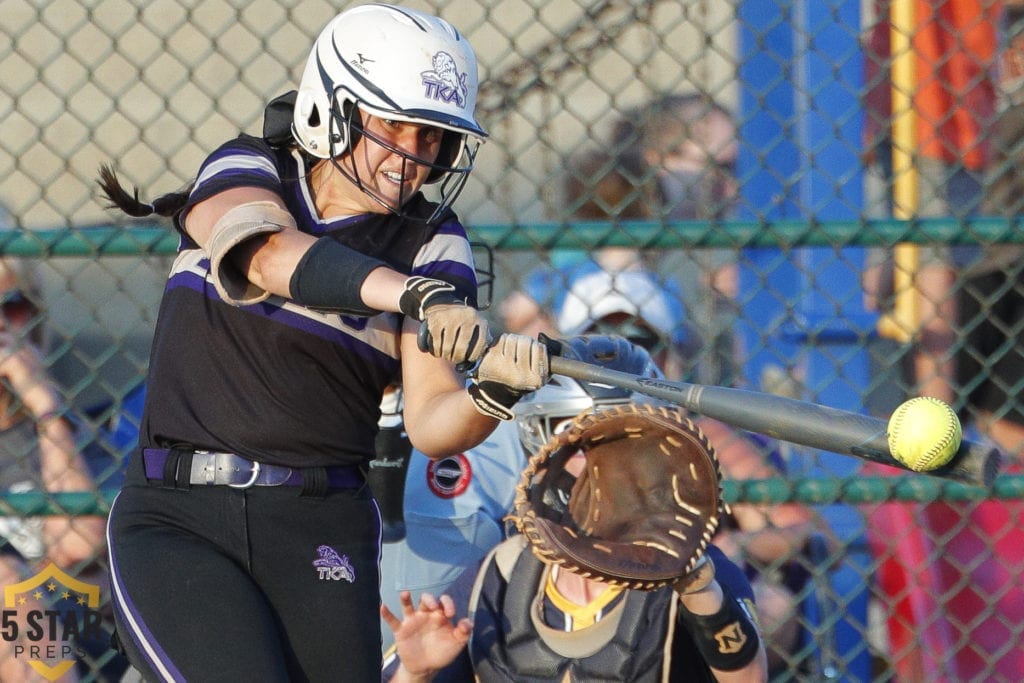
(352, 175)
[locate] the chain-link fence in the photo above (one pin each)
(816, 199)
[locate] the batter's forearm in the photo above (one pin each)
(432, 432)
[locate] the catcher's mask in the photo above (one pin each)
(643, 510)
(540, 414)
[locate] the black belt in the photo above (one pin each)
(228, 469)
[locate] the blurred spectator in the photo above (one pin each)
(992, 293)
(636, 305)
(599, 186)
(981, 545)
(672, 159)
(953, 104)
(689, 141)
(952, 571)
(39, 453)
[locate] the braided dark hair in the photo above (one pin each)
(164, 205)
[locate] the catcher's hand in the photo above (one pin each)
(699, 578)
(641, 511)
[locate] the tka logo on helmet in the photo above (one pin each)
(445, 83)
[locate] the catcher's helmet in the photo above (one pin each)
(539, 413)
(393, 63)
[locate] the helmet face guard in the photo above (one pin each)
(540, 413)
(448, 172)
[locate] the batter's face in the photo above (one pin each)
(384, 161)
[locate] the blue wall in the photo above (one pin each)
(800, 130)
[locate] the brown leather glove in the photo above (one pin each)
(643, 509)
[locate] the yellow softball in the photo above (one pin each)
(924, 433)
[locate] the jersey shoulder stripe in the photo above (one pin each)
(245, 161)
(373, 336)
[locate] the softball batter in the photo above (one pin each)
(245, 544)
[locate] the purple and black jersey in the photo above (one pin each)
(275, 381)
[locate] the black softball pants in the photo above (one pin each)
(214, 583)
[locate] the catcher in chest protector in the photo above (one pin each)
(618, 508)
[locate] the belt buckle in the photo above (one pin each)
(252, 479)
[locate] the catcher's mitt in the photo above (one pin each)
(642, 511)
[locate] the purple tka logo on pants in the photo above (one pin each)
(333, 567)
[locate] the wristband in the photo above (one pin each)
(727, 640)
(494, 399)
(329, 276)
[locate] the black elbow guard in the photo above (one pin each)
(329, 277)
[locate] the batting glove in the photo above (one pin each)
(450, 328)
(512, 367)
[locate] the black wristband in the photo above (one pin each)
(329, 277)
(728, 640)
(494, 399)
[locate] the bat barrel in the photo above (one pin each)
(787, 419)
(974, 463)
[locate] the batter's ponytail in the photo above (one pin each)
(164, 205)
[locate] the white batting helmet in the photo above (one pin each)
(394, 63)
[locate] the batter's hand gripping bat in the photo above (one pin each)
(799, 422)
